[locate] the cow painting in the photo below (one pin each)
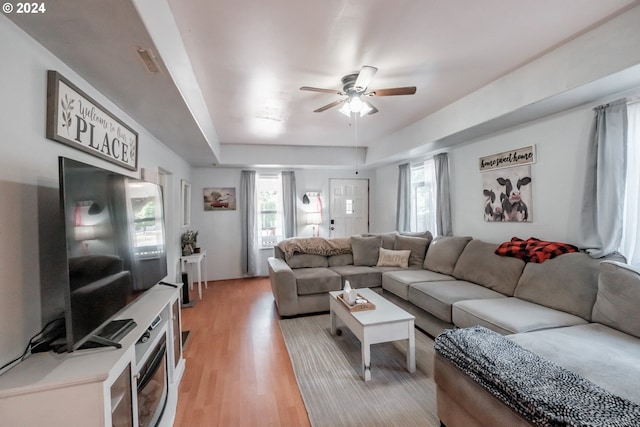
(507, 194)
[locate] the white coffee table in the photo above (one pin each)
(387, 322)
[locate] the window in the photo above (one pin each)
(423, 196)
(270, 209)
(630, 246)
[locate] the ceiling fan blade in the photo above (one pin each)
(317, 89)
(364, 78)
(409, 90)
(326, 107)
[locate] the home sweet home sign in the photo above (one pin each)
(517, 157)
(75, 119)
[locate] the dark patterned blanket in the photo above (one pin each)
(542, 392)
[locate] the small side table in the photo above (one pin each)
(196, 258)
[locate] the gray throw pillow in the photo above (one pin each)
(388, 239)
(307, 261)
(618, 297)
(423, 234)
(443, 253)
(417, 246)
(365, 249)
(479, 264)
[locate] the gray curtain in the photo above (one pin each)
(603, 202)
(403, 207)
(248, 223)
(289, 204)
(443, 199)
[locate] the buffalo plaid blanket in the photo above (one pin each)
(534, 250)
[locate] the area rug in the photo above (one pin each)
(328, 372)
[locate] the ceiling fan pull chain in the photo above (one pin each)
(355, 131)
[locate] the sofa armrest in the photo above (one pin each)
(283, 286)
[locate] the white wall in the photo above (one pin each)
(29, 173)
(219, 231)
(558, 179)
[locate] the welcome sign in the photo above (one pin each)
(74, 119)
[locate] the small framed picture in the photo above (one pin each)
(219, 199)
(185, 201)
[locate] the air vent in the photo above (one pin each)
(148, 59)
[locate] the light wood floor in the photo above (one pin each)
(238, 371)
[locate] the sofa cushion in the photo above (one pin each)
(438, 297)
(391, 258)
(510, 315)
(568, 283)
(307, 261)
(397, 282)
(359, 276)
(423, 234)
(365, 249)
(388, 239)
(385, 269)
(316, 280)
(479, 264)
(618, 300)
(342, 259)
(605, 356)
(278, 253)
(443, 253)
(417, 246)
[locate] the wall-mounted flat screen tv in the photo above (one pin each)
(115, 242)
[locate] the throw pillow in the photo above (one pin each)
(417, 246)
(618, 297)
(365, 249)
(387, 238)
(443, 253)
(392, 258)
(424, 234)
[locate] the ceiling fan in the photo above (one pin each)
(354, 87)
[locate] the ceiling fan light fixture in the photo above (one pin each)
(345, 109)
(355, 104)
(365, 109)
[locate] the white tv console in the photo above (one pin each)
(97, 387)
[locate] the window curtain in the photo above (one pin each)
(602, 207)
(443, 199)
(630, 246)
(248, 223)
(403, 207)
(289, 206)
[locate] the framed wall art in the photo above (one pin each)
(507, 194)
(219, 199)
(185, 204)
(75, 119)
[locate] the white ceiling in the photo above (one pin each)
(246, 60)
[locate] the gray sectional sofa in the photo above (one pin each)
(301, 281)
(605, 351)
(579, 312)
(450, 282)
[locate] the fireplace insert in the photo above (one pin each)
(153, 386)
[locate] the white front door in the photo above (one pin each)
(349, 207)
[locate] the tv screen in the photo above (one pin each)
(115, 240)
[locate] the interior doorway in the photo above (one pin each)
(348, 207)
